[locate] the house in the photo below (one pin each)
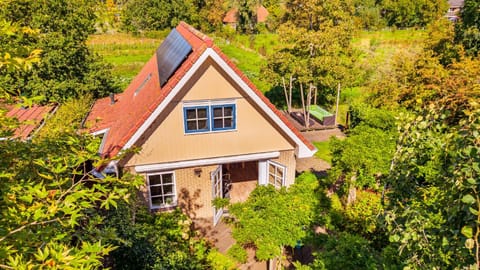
(31, 119)
(455, 7)
(204, 129)
(231, 18)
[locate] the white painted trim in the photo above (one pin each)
(104, 139)
(276, 164)
(174, 203)
(205, 162)
(262, 172)
(102, 131)
(302, 149)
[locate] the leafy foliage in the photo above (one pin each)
(433, 203)
(68, 68)
(404, 13)
(271, 219)
(346, 251)
(144, 15)
(155, 241)
(467, 31)
(50, 206)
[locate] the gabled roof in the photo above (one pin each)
(31, 119)
(133, 111)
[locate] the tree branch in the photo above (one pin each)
(28, 225)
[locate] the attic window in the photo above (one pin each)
(143, 84)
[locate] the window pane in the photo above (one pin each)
(202, 113)
(217, 112)
(271, 179)
(168, 189)
(155, 190)
(192, 125)
(157, 201)
(271, 169)
(228, 111)
(169, 199)
(167, 178)
(191, 114)
(228, 122)
(202, 124)
(154, 179)
(218, 123)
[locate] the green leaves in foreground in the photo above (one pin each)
(271, 219)
(50, 209)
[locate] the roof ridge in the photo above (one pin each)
(197, 33)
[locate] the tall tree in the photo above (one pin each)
(467, 31)
(68, 68)
(406, 13)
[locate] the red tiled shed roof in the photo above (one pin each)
(232, 15)
(123, 118)
(30, 118)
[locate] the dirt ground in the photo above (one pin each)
(313, 164)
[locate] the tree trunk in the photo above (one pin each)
(352, 191)
(303, 106)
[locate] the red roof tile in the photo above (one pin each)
(130, 110)
(232, 15)
(30, 118)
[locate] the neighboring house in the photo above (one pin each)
(30, 119)
(455, 7)
(231, 18)
(204, 129)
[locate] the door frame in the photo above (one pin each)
(217, 192)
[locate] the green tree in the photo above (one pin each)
(154, 241)
(271, 219)
(433, 203)
(50, 210)
(405, 13)
(68, 68)
(467, 31)
(147, 15)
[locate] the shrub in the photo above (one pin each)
(346, 251)
(238, 253)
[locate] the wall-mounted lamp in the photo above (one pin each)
(197, 172)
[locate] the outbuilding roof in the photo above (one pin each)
(30, 118)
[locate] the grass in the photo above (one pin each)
(323, 151)
(126, 53)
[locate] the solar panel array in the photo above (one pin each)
(171, 54)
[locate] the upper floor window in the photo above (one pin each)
(209, 117)
(196, 119)
(161, 187)
(223, 117)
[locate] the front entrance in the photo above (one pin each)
(217, 190)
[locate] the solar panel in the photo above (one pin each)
(171, 54)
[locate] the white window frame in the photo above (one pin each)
(277, 166)
(174, 190)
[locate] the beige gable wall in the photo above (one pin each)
(169, 143)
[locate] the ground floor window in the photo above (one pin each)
(276, 174)
(161, 190)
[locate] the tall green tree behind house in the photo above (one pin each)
(467, 31)
(406, 13)
(68, 68)
(315, 47)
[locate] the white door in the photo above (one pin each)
(217, 192)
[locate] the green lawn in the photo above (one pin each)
(323, 151)
(128, 53)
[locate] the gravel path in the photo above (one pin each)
(313, 164)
